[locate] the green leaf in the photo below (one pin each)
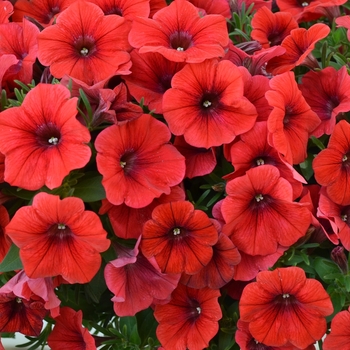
(96, 287)
(147, 325)
(90, 189)
(11, 261)
(325, 267)
(19, 193)
(226, 341)
(130, 324)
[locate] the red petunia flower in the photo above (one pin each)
(19, 40)
(68, 332)
(339, 337)
(85, 44)
(21, 315)
(219, 270)
(129, 9)
(332, 165)
(189, 320)
(269, 28)
(253, 150)
(179, 237)
(179, 34)
(151, 75)
(285, 297)
(291, 121)
(298, 44)
(199, 161)
(6, 11)
(259, 212)
(137, 162)
(137, 282)
(127, 222)
(42, 11)
(58, 237)
(42, 141)
(327, 93)
(218, 7)
(206, 104)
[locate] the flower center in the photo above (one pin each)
(209, 101)
(127, 161)
(260, 161)
(304, 4)
(206, 103)
(85, 46)
(176, 231)
(48, 135)
(180, 41)
(345, 158)
(259, 197)
(114, 11)
(61, 226)
(285, 296)
(199, 310)
(18, 300)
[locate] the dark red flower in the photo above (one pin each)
(285, 297)
(179, 237)
(21, 315)
(151, 75)
(42, 11)
(219, 270)
(298, 44)
(129, 9)
(137, 162)
(19, 40)
(291, 121)
(327, 93)
(259, 212)
(137, 282)
(68, 332)
(127, 222)
(58, 237)
(85, 44)
(5, 242)
(206, 104)
(179, 33)
(189, 320)
(332, 165)
(269, 28)
(42, 140)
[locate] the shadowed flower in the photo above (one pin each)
(42, 11)
(137, 162)
(85, 44)
(327, 93)
(179, 237)
(21, 315)
(189, 320)
(332, 165)
(298, 44)
(68, 332)
(42, 140)
(269, 28)
(179, 34)
(285, 297)
(58, 237)
(137, 282)
(206, 104)
(291, 121)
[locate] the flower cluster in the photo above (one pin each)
(175, 174)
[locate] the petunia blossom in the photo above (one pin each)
(260, 214)
(137, 162)
(137, 282)
(42, 140)
(179, 237)
(179, 34)
(58, 237)
(68, 332)
(85, 44)
(206, 104)
(285, 297)
(189, 320)
(331, 165)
